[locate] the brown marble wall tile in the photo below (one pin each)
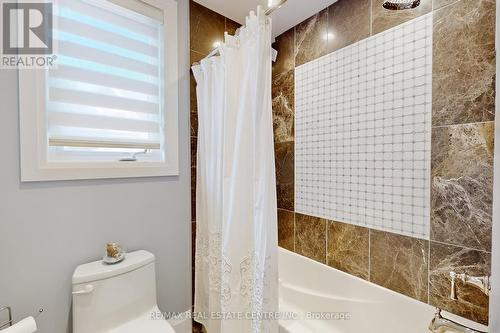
(310, 38)
(310, 237)
(462, 185)
(284, 155)
(471, 303)
(194, 57)
(284, 44)
(206, 27)
(399, 263)
(231, 26)
(286, 229)
(464, 63)
(193, 177)
(193, 242)
(436, 4)
(348, 248)
(348, 22)
(463, 78)
(383, 19)
(283, 90)
(193, 257)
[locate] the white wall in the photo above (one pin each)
(47, 229)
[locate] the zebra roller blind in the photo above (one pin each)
(105, 99)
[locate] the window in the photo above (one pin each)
(108, 108)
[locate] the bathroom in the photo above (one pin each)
(368, 125)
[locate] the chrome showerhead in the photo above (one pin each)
(400, 4)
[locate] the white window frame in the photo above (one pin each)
(35, 165)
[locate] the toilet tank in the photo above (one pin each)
(108, 296)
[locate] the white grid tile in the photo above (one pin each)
(363, 132)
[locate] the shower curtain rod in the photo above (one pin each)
(273, 8)
(268, 12)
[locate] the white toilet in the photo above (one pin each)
(118, 298)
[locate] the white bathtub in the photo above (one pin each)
(308, 286)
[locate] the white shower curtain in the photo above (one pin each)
(236, 284)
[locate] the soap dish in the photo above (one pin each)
(113, 260)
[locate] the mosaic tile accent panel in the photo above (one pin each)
(363, 132)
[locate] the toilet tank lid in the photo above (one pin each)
(98, 270)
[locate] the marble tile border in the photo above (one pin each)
(285, 182)
(285, 45)
(400, 263)
(311, 38)
(193, 123)
(286, 229)
(383, 19)
(462, 185)
(349, 21)
(194, 151)
(206, 27)
(410, 266)
(283, 94)
(471, 303)
(348, 248)
(377, 25)
(231, 26)
(310, 237)
(464, 63)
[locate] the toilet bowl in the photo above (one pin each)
(118, 298)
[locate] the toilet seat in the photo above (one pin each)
(145, 324)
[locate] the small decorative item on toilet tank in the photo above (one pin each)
(114, 253)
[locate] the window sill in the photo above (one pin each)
(81, 171)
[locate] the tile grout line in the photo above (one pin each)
(286, 210)
(193, 50)
(294, 228)
(459, 246)
(287, 141)
(428, 272)
(445, 6)
(465, 124)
